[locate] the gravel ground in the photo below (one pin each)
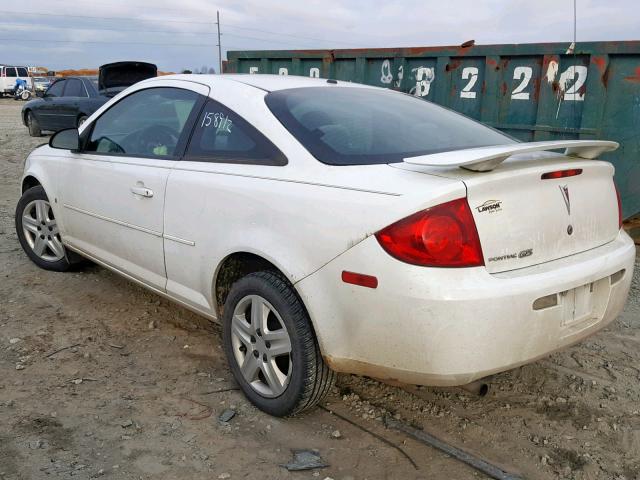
(140, 384)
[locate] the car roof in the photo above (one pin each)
(268, 83)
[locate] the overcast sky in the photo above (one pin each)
(176, 35)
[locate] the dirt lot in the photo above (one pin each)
(139, 391)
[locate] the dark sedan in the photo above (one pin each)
(69, 101)
(65, 104)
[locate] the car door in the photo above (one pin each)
(112, 191)
(217, 186)
(48, 110)
(69, 105)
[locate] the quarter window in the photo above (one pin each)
(220, 135)
(56, 89)
(74, 88)
(147, 123)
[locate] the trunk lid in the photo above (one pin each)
(524, 220)
(115, 77)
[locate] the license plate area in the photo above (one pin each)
(584, 303)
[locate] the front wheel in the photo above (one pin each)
(271, 347)
(38, 233)
(33, 125)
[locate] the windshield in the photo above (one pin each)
(358, 126)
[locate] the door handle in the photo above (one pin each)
(142, 191)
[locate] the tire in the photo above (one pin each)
(39, 237)
(81, 120)
(33, 125)
(308, 378)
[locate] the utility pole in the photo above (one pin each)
(219, 44)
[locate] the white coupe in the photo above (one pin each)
(335, 227)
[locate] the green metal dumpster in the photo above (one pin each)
(533, 92)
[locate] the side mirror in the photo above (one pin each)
(68, 139)
(39, 93)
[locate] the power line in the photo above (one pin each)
(180, 21)
(105, 18)
(258, 38)
(285, 34)
(168, 32)
(48, 40)
(121, 5)
(164, 32)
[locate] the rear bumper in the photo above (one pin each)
(452, 326)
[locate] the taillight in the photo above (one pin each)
(572, 172)
(619, 206)
(441, 236)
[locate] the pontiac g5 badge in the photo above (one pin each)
(490, 206)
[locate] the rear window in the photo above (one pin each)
(74, 88)
(358, 126)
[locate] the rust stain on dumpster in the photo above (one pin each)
(634, 78)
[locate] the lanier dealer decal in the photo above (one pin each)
(490, 206)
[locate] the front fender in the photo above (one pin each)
(40, 165)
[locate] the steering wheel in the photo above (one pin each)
(149, 139)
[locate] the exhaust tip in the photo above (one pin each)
(479, 388)
(483, 390)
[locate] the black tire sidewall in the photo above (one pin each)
(296, 322)
(33, 125)
(36, 193)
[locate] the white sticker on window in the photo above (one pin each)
(218, 120)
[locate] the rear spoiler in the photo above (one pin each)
(485, 159)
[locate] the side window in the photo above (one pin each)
(147, 123)
(74, 88)
(220, 135)
(55, 90)
(22, 72)
(11, 72)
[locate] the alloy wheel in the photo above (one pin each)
(41, 231)
(261, 346)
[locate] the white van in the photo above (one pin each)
(8, 76)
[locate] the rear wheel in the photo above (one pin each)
(33, 125)
(38, 232)
(271, 347)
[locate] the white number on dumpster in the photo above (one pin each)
(569, 75)
(471, 74)
(424, 77)
(523, 74)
